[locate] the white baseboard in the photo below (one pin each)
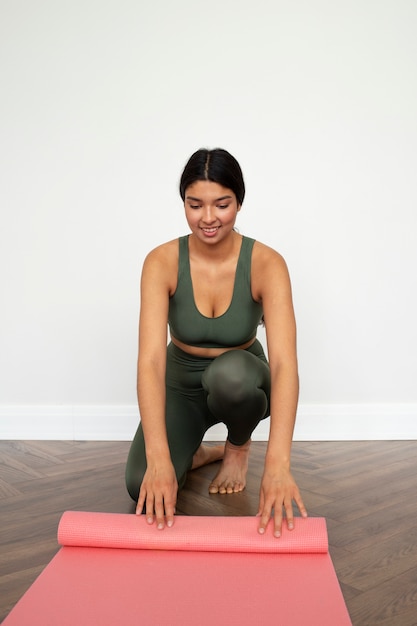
(315, 422)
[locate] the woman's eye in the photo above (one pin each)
(223, 206)
(194, 206)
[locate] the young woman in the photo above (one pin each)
(212, 288)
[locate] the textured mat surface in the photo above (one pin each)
(208, 534)
(116, 569)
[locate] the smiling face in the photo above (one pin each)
(210, 210)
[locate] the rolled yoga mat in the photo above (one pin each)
(117, 569)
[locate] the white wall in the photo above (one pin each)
(101, 104)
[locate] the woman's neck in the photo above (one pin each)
(220, 250)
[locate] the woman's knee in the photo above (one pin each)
(235, 373)
(132, 484)
(135, 465)
(237, 384)
(184, 437)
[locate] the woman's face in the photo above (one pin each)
(210, 210)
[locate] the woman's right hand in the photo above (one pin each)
(158, 494)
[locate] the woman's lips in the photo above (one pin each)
(210, 231)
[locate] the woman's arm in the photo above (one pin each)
(273, 288)
(159, 487)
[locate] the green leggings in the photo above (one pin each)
(233, 388)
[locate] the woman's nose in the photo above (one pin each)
(208, 215)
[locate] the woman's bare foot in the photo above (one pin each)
(206, 455)
(231, 477)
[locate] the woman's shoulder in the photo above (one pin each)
(161, 265)
(269, 271)
(164, 253)
(265, 256)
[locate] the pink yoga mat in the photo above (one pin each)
(206, 534)
(116, 569)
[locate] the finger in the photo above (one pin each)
(289, 514)
(139, 507)
(149, 509)
(300, 504)
(265, 517)
(140, 503)
(159, 513)
(278, 521)
(169, 513)
(261, 504)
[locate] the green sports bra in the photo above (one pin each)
(235, 326)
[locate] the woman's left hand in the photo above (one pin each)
(278, 491)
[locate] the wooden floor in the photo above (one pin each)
(365, 490)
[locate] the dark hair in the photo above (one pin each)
(218, 166)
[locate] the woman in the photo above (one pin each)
(212, 288)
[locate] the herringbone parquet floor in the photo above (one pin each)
(365, 490)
